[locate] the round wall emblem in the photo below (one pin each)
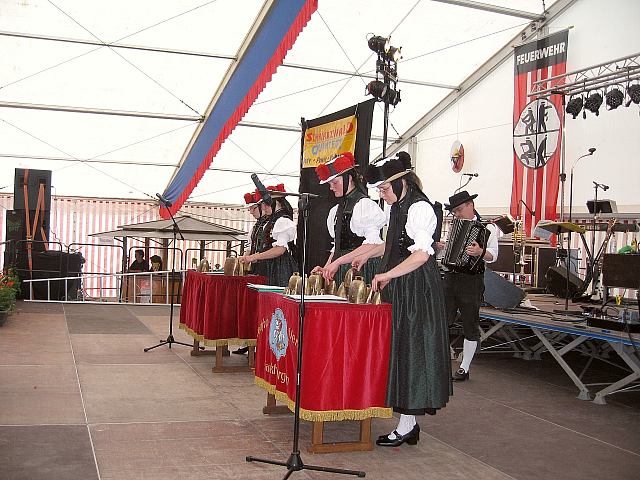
(537, 134)
(278, 338)
(457, 156)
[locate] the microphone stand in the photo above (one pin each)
(568, 257)
(462, 186)
(170, 340)
(294, 463)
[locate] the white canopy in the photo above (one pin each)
(191, 229)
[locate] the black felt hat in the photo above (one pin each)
(458, 199)
(388, 170)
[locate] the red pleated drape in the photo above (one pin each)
(345, 357)
(217, 308)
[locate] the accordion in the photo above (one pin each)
(462, 234)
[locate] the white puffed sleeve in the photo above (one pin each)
(421, 224)
(367, 221)
(284, 231)
(331, 220)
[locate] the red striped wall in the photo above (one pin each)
(73, 219)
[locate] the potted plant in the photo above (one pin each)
(9, 285)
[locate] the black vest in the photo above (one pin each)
(256, 233)
(266, 240)
(398, 241)
(345, 239)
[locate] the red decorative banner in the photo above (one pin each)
(537, 131)
(345, 357)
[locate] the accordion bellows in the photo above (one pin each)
(462, 234)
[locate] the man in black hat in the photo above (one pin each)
(462, 290)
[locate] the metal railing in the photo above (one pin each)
(140, 288)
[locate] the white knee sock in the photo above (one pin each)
(468, 349)
(406, 424)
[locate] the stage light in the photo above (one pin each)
(614, 98)
(383, 93)
(394, 54)
(593, 102)
(574, 106)
(379, 44)
(634, 94)
(377, 89)
(393, 96)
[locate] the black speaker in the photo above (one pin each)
(34, 178)
(557, 283)
(50, 264)
(501, 293)
(16, 233)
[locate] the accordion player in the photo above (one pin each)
(463, 233)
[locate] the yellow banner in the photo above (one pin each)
(323, 142)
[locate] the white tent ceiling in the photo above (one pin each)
(115, 156)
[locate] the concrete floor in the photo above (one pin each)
(79, 399)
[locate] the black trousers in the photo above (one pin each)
(463, 292)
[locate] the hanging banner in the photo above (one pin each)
(325, 141)
(322, 138)
(274, 36)
(537, 130)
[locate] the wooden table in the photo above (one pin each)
(341, 378)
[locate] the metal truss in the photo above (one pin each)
(615, 72)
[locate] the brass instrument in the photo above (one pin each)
(343, 289)
(330, 288)
(233, 266)
(374, 298)
(203, 266)
(519, 239)
(357, 292)
(314, 284)
(294, 287)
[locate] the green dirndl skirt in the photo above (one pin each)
(367, 271)
(419, 366)
(278, 270)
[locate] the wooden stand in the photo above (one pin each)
(221, 368)
(272, 408)
(363, 444)
(197, 352)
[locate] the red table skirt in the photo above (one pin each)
(220, 309)
(345, 357)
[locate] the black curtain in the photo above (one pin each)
(319, 245)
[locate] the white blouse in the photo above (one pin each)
(284, 231)
(367, 221)
(492, 243)
(421, 225)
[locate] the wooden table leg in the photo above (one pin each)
(223, 351)
(271, 408)
(196, 351)
(318, 445)
(252, 356)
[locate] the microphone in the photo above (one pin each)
(470, 174)
(591, 150)
(167, 203)
(601, 185)
(261, 188)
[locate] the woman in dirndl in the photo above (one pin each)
(419, 379)
(354, 221)
(273, 255)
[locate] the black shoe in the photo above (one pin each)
(411, 438)
(241, 351)
(460, 375)
(386, 437)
